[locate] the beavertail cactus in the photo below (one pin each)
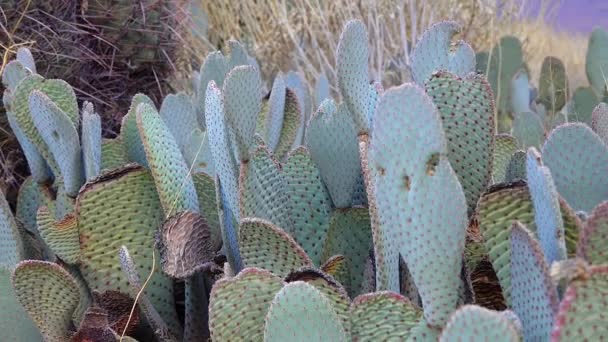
(553, 90)
(596, 65)
(474, 323)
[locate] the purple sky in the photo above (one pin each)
(578, 15)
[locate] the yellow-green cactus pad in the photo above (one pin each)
(292, 125)
(477, 324)
(207, 200)
(504, 147)
(593, 238)
(61, 236)
(113, 154)
(11, 243)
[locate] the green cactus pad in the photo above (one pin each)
(122, 207)
(528, 129)
(573, 227)
(292, 124)
(238, 305)
(300, 312)
(11, 243)
(178, 113)
(597, 55)
(593, 238)
(61, 236)
(49, 294)
(31, 196)
(15, 323)
(576, 156)
(185, 244)
(520, 92)
(582, 312)
(309, 201)
(24, 55)
(221, 149)
(533, 296)
(383, 316)
(129, 133)
(322, 90)
(516, 169)
(263, 191)
(271, 127)
(405, 187)
(13, 73)
(267, 246)
(350, 235)
(474, 323)
(599, 121)
(207, 199)
(553, 91)
(58, 132)
(242, 103)
(297, 83)
(467, 115)
(171, 174)
(424, 332)
(435, 51)
(197, 152)
(229, 229)
(214, 68)
(337, 267)
(547, 214)
(504, 147)
(352, 72)
(506, 60)
(113, 154)
(333, 291)
(585, 100)
(91, 141)
(331, 138)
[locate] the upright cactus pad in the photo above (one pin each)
(528, 129)
(62, 236)
(553, 91)
(292, 126)
(593, 238)
(178, 113)
(49, 294)
(91, 141)
(595, 64)
(520, 92)
(272, 125)
(25, 57)
(113, 154)
(506, 60)
(585, 295)
(350, 234)
(516, 169)
(504, 147)
(238, 305)
(207, 198)
(406, 212)
(547, 213)
(533, 296)
(577, 157)
(352, 71)
(15, 322)
(13, 72)
(474, 323)
(599, 121)
(467, 115)
(434, 52)
(213, 69)
(171, 174)
(310, 203)
(267, 246)
(242, 103)
(383, 316)
(331, 138)
(11, 243)
(129, 133)
(300, 312)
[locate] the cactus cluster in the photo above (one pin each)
(463, 205)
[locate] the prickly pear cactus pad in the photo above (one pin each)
(61, 236)
(553, 91)
(129, 133)
(533, 296)
(238, 305)
(309, 201)
(416, 200)
(205, 189)
(300, 312)
(24, 55)
(528, 129)
(547, 213)
(585, 99)
(352, 71)
(520, 92)
(58, 132)
(506, 60)
(267, 246)
(178, 113)
(582, 312)
(504, 147)
(15, 323)
(593, 238)
(113, 154)
(292, 126)
(434, 52)
(271, 127)
(11, 243)
(31, 196)
(474, 323)
(597, 55)
(577, 158)
(516, 169)
(350, 234)
(297, 83)
(242, 103)
(14, 71)
(599, 121)
(49, 294)
(214, 68)
(263, 190)
(184, 244)
(383, 316)
(331, 138)
(221, 149)
(91, 141)
(171, 174)
(122, 207)
(467, 115)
